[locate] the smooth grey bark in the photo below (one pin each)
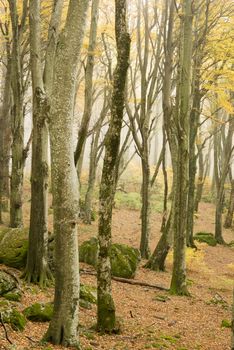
(221, 178)
(106, 320)
(178, 282)
(140, 119)
(157, 259)
(63, 328)
(95, 154)
(88, 99)
(37, 270)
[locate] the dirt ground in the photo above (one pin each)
(178, 323)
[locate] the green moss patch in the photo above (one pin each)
(88, 293)
(7, 283)
(13, 247)
(124, 259)
(12, 316)
(39, 312)
(226, 324)
(204, 237)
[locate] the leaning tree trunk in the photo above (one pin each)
(229, 216)
(178, 282)
(106, 321)
(158, 258)
(63, 328)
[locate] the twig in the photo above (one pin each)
(5, 330)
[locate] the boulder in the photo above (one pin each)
(39, 312)
(12, 316)
(13, 295)
(88, 251)
(7, 283)
(13, 247)
(88, 293)
(124, 259)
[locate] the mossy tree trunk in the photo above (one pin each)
(229, 216)
(5, 134)
(63, 328)
(178, 282)
(106, 320)
(18, 154)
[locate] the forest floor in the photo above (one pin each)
(175, 323)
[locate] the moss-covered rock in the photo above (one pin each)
(14, 295)
(7, 283)
(88, 293)
(85, 304)
(124, 259)
(13, 247)
(205, 237)
(39, 312)
(12, 316)
(88, 251)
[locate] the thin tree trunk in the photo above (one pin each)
(229, 216)
(106, 320)
(5, 138)
(88, 81)
(145, 209)
(18, 157)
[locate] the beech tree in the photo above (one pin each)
(18, 86)
(63, 328)
(106, 320)
(178, 282)
(37, 269)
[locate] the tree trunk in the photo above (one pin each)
(5, 139)
(106, 321)
(232, 327)
(229, 216)
(63, 328)
(88, 103)
(145, 209)
(220, 181)
(200, 180)
(18, 156)
(158, 258)
(178, 282)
